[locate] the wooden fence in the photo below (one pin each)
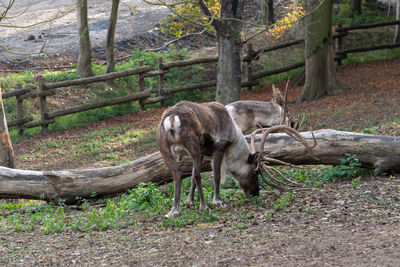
(144, 97)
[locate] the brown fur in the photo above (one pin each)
(205, 130)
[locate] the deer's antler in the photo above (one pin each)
(279, 180)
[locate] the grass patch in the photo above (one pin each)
(99, 91)
(108, 145)
(363, 57)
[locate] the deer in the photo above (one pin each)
(249, 114)
(205, 130)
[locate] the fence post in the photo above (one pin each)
(249, 68)
(43, 104)
(20, 111)
(339, 42)
(141, 83)
(160, 79)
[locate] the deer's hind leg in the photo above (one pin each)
(169, 156)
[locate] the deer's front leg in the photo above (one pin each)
(190, 200)
(217, 161)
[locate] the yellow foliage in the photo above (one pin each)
(282, 25)
(192, 14)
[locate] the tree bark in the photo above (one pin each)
(229, 71)
(85, 46)
(110, 57)
(267, 11)
(229, 51)
(355, 7)
(6, 150)
(397, 29)
(379, 152)
(320, 66)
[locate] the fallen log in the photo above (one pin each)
(379, 152)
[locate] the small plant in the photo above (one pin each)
(284, 201)
(371, 130)
(355, 182)
(349, 167)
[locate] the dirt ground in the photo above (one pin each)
(136, 20)
(335, 226)
(339, 225)
(55, 44)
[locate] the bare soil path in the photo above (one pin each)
(136, 19)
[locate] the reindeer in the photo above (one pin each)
(249, 114)
(205, 130)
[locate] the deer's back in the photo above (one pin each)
(210, 122)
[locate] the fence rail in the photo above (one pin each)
(144, 97)
(342, 32)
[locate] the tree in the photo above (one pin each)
(355, 7)
(397, 31)
(111, 35)
(225, 17)
(6, 150)
(85, 46)
(267, 11)
(320, 69)
(230, 44)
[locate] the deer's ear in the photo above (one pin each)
(252, 158)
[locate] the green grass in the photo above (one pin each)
(109, 145)
(99, 91)
(360, 19)
(363, 57)
(143, 204)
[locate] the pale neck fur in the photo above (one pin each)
(235, 158)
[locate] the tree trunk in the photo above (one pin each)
(397, 30)
(320, 69)
(229, 71)
(229, 52)
(69, 184)
(6, 150)
(355, 7)
(85, 46)
(379, 152)
(111, 35)
(267, 11)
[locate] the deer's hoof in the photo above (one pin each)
(189, 203)
(219, 203)
(204, 208)
(172, 213)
